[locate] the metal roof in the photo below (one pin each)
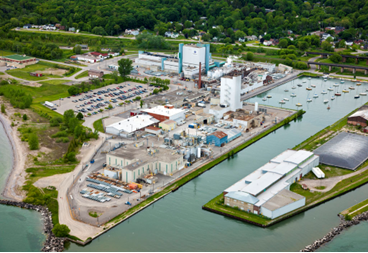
(262, 183)
(281, 199)
(299, 157)
(242, 196)
(362, 113)
(219, 134)
(282, 168)
(346, 150)
(134, 123)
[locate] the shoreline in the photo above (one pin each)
(18, 162)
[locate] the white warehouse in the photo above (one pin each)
(266, 191)
(127, 127)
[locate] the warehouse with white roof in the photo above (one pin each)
(266, 191)
(127, 127)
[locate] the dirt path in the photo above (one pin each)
(329, 183)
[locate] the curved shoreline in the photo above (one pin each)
(8, 191)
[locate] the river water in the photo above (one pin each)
(21, 229)
(177, 222)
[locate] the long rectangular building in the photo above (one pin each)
(266, 191)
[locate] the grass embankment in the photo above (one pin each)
(2, 73)
(81, 75)
(355, 210)
(309, 74)
(201, 170)
(217, 205)
(97, 125)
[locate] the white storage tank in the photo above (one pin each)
(256, 106)
(199, 152)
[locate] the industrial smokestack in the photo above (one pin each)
(200, 76)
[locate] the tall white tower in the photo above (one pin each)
(230, 92)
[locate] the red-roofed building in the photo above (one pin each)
(99, 55)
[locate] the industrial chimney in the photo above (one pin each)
(200, 76)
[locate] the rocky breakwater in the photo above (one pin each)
(344, 224)
(52, 243)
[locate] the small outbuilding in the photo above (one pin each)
(219, 138)
(153, 130)
(359, 118)
(95, 73)
(168, 125)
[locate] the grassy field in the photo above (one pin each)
(97, 125)
(24, 73)
(81, 75)
(2, 73)
(5, 53)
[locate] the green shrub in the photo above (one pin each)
(60, 134)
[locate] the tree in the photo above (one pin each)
(155, 91)
(3, 109)
(61, 230)
(250, 56)
(141, 103)
(79, 116)
(122, 52)
(77, 50)
(73, 90)
(125, 67)
(303, 45)
(68, 115)
(283, 43)
(25, 117)
(327, 46)
(33, 141)
(115, 75)
(239, 34)
(70, 157)
(335, 58)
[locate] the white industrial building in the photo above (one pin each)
(127, 127)
(266, 191)
(230, 91)
(133, 161)
(166, 112)
(186, 62)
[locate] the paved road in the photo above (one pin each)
(329, 183)
(265, 47)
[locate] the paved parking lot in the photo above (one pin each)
(94, 101)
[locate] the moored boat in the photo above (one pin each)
(323, 92)
(337, 94)
(352, 88)
(298, 104)
(333, 97)
(325, 101)
(356, 96)
(330, 89)
(363, 94)
(292, 95)
(315, 95)
(345, 91)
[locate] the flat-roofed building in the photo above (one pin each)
(136, 160)
(166, 112)
(127, 127)
(266, 191)
(19, 61)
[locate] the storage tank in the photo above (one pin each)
(256, 106)
(199, 152)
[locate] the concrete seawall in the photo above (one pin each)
(52, 243)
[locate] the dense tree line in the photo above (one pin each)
(111, 17)
(18, 97)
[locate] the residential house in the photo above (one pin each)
(267, 43)
(71, 29)
(99, 56)
(27, 26)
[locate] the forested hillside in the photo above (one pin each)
(251, 16)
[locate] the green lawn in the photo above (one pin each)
(49, 91)
(360, 63)
(216, 204)
(23, 73)
(353, 210)
(5, 53)
(97, 125)
(2, 73)
(81, 75)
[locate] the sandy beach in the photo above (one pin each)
(17, 175)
